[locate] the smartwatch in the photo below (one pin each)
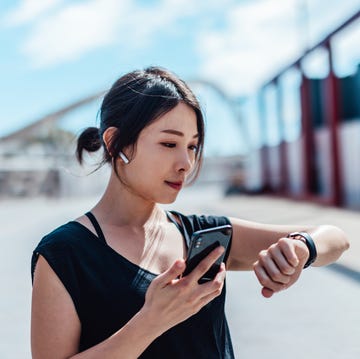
(306, 238)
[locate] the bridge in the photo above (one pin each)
(39, 159)
(41, 186)
(315, 165)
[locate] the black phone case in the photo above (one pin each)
(202, 243)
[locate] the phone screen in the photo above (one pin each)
(202, 243)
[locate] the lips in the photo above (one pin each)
(175, 185)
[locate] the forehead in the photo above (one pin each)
(181, 118)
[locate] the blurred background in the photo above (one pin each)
(279, 83)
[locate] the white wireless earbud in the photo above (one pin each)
(124, 158)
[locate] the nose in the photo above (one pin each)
(185, 162)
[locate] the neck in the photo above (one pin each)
(120, 207)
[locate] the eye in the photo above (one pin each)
(193, 148)
(167, 144)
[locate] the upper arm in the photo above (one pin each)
(249, 238)
(55, 326)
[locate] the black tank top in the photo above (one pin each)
(108, 290)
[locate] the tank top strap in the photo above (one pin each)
(96, 225)
(180, 226)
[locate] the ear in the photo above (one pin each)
(108, 136)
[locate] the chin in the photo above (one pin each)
(168, 200)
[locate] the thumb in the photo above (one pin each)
(172, 273)
(267, 292)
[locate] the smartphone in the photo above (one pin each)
(202, 243)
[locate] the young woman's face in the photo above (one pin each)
(164, 156)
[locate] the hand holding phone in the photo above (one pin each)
(202, 243)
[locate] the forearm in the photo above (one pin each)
(330, 243)
(129, 342)
(250, 238)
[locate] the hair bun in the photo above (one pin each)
(89, 140)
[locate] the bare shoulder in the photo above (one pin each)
(85, 221)
(55, 326)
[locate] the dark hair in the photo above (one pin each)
(134, 101)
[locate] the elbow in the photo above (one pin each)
(332, 243)
(346, 244)
(343, 239)
(340, 240)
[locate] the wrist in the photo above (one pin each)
(309, 242)
(151, 323)
(131, 340)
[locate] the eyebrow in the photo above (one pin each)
(177, 133)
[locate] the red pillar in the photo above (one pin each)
(284, 170)
(332, 112)
(306, 135)
(265, 165)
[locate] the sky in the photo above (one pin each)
(55, 52)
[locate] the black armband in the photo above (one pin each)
(306, 238)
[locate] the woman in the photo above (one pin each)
(109, 284)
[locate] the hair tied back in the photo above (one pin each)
(89, 140)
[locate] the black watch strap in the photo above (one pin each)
(309, 243)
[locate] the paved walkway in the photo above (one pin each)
(24, 222)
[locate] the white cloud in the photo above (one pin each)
(256, 38)
(62, 31)
(75, 29)
(262, 37)
(333, 13)
(259, 39)
(142, 23)
(29, 10)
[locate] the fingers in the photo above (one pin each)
(284, 255)
(172, 300)
(287, 247)
(266, 280)
(213, 288)
(266, 292)
(202, 294)
(205, 264)
(277, 267)
(169, 275)
(175, 299)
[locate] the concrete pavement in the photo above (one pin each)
(24, 222)
(318, 317)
